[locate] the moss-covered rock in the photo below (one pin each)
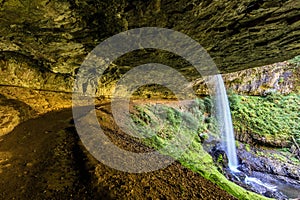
(271, 120)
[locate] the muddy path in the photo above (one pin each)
(43, 158)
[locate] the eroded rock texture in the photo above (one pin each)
(51, 36)
(282, 77)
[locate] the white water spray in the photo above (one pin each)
(226, 129)
(225, 122)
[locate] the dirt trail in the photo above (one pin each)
(42, 158)
(39, 161)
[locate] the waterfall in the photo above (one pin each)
(225, 122)
(226, 129)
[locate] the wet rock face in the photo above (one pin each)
(247, 170)
(269, 172)
(238, 35)
(282, 77)
(219, 156)
(269, 164)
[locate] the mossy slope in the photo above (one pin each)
(175, 132)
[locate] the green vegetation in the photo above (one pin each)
(278, 157)
(273, 117)
(247, 147)
(295, 60)
(174, 132)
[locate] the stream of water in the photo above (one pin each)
(227, 133)
(225, 121)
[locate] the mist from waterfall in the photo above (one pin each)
(225, 122)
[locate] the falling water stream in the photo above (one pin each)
(227, 133)
(225, 121)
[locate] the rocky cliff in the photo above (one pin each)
(55, 36)
(282, 77)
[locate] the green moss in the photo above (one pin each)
(279, 157)
(247, 147)
(295, 60)
(193, 155)
(260, 154)
(295, 160)
(220, 159)
(274, 117)
(281, 80)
